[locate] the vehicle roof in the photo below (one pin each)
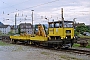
(61, 21)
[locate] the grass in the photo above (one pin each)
(85, 37)
(88, 44)
(88, 40)
(3, 43)
(76, 45)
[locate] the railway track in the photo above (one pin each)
(73, 50)
(78, 51)
(70, 50)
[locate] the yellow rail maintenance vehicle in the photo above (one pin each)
(60, 34)
(57, 37)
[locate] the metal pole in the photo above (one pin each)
(62, 20)
(53, 26)
(25, 27)
(48, 24)
(32, 22)
(62, 17)
(74, 22)
(15, 22)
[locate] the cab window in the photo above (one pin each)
(51, 25)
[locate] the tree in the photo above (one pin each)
(88, 28)
(0, 32)
(10, 33)
(82, 28)
(45, 28)
(19, 30)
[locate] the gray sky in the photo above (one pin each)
(79, 9)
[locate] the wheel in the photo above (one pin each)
(72, 42)
(15, 41)
(27, 42)
(11, 41)
(66, 47)
(37, 44)
(56, 47)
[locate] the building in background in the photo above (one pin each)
(5, 29)
(26, 27)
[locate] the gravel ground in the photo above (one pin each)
(20, 52)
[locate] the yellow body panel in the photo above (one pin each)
(33, 38)
(55, 31)
(69, 34)
(39, 38)
(20, 37)
(52, 32)
(61, 32)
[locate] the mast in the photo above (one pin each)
(62, 17)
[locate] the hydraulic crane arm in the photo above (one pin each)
(41, 30)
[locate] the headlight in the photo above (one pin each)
(66, 37)
(61, 38)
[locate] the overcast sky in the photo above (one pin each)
(79, 9)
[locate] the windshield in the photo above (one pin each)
(67, 24)
(55, 25)
(51, 25)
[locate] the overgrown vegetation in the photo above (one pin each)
(3, 43)
(76, 45)
(19, 30)
(85, 37)
(88, 44)
(10, 33)
(81, 29)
